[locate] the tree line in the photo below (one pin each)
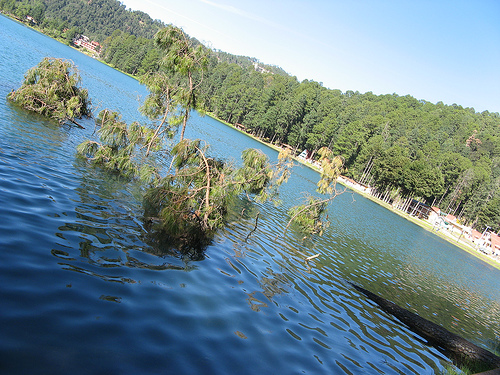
(97, 19)
(443, 155)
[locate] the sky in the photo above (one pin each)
(435, 50)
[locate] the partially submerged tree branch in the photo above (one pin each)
(309, 216)
(255, 227)
(51, 89)
(459, 349)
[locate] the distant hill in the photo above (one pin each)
(99, 19)
(246, 62)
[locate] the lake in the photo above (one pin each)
(83, 290)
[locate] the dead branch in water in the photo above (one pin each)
(456, 347)
(255, 228)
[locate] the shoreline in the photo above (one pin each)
(469, 248)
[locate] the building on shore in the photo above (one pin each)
(85, 42)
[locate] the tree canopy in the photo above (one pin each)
(97, 19)
(52, 89)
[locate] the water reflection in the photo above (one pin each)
(275, 284)
(30, 131)
(365, 326)
(108, 228)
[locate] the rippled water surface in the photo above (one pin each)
(83, 289)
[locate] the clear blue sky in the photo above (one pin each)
(437, 50)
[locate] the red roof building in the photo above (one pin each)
(495, 243)
(451, 218)
(476, 235)
(84, 41)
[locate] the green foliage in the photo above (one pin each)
(131, 54)
(464, 366)
(331, 167)
(182, 59)
(161, 105)
(186, 207)
(97, 18)
(254, 160)
(494, 345)
(389, 169)
(308, 217)
(117, 150)
(392, 142)
(180, 54)
(259, 177)
(453, 370)
(422, 180)
(489, 213)
(189, 205)
(52, 89)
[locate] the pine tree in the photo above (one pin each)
(52, 89)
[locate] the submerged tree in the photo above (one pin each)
(192, 202)
(173, 87)
(118, 149)
(309, 217)
(189, 205)
(259, 177)
(52, 89)
(186, 206)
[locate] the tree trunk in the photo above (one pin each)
(457, 348)
(189, 104)
(274, 137)
(367, 170)
(184, 123)
(408, 203)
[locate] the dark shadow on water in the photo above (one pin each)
(186, 248)
(108, 229)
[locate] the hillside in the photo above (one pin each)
(95, 18)
(100, 20)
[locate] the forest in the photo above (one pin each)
(97, 19)
(443, 155)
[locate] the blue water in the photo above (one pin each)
(84, 290)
